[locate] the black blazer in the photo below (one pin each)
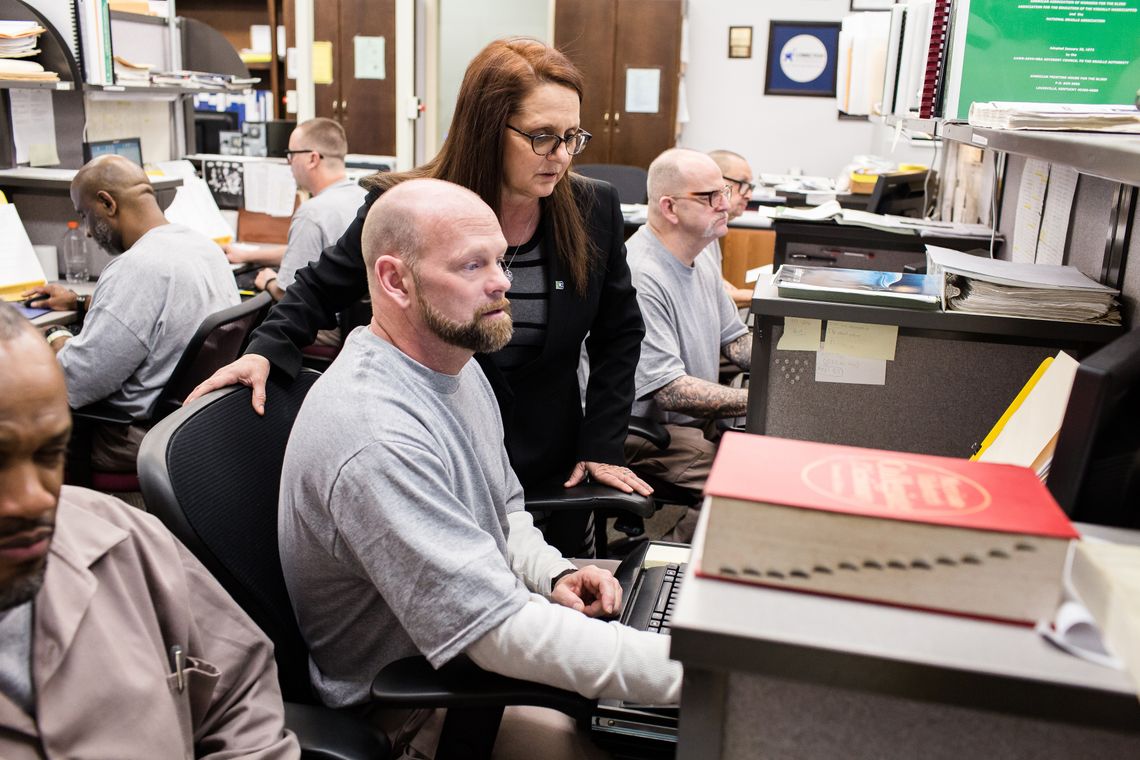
(547, 431)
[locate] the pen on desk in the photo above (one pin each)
(178, 662)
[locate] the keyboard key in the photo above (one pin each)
(663, 597)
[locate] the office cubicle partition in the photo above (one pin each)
(951, 378)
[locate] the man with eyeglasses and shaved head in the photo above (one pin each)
(690, 322)
(735, 171)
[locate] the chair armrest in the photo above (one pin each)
(413, 683)
(327, 734)
(651, 430)
(556, 498)
(103, 412)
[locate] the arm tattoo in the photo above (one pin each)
(700, 398)
(739, 351)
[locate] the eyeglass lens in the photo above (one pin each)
(544, 145)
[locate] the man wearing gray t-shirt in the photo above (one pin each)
(690, 322)
(401, 526)
(163, 281)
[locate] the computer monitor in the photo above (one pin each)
(128, 147)
(207, 125)
(899, 194)
(1095, 473)
(277, 136)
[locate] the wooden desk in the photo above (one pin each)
(779, 674)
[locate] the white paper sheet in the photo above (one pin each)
(33, 126)
(194, 207)
(19, 265)
(642, 90)
(269, 188)
(1055, 217)
(1030, 203)
(836, 368)
(368, 55)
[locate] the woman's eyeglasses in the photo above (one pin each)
(544, 145)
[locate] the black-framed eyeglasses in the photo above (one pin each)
(743, 186)
(290, 153)
(708, 196)
(544, 145)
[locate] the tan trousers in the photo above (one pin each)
(685, 464)
(115, 448)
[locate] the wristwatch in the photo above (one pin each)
(55, 333)
(81, 304)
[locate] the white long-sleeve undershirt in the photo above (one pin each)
(557, 646)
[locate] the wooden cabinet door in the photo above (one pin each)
(326, 28)
(648, 37)
(584, 30)
(368, 106)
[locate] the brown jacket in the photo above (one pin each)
(119, 592)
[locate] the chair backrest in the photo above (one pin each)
(218, 341)
(629, 180)
(211, 472)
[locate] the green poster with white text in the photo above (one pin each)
(1049, 51)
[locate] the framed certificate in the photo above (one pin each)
(802, 58)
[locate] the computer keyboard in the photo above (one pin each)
(652, 611)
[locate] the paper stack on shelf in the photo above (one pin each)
(1085, 118)
(25, 71)
(18, 39)
(129, 73)
(979, 285)
(203, 80)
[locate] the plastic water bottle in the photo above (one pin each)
(76, 266)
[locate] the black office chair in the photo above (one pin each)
(628, 180)
(211, 473)
(218, 341)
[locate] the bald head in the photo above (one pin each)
(122, 178)
(737, 172)
(672, 172)
(413, 215)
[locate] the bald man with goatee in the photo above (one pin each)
(401, 525)
(163, 281)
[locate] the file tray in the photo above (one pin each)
(952, 376)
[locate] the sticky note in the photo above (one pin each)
(43, 154)
(837, 368)
(800, 334)
(322, 62)
(861, 340)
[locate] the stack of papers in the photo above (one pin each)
(978, 285)
(25, 71)
(903, 225)
(1099, 118)
(129, 73)
(18, 39)
(203, 80)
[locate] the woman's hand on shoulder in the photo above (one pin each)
(251, 370)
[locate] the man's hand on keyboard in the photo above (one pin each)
(591, 590)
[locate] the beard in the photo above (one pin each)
(102, 234)
(477, 335)
(23, 588)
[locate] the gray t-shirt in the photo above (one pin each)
(688, 318)
(318, 223)
(395, 492)
(149, 302)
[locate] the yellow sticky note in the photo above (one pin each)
(862, 340)
(322, 62)
(43, 154)
(800, 334)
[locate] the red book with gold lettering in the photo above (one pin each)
(937, 533)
